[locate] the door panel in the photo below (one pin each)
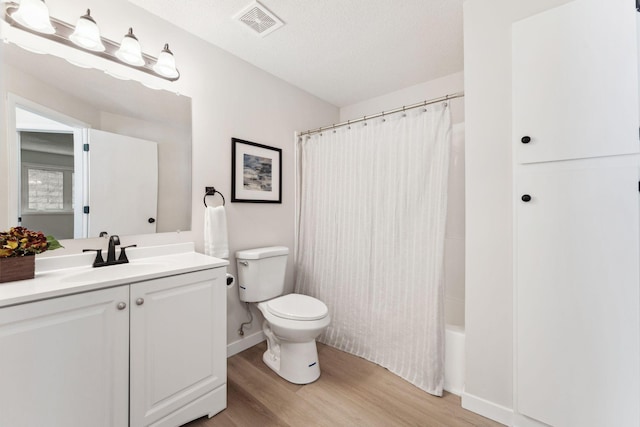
(178, 342)
(575, 82)
(123, 184)
(65, 361)
(577, 298)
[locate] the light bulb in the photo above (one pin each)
(166, 64)
(34, 14)
(130, 51)
(87, 34)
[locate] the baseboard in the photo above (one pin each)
(524, 421)
(245, 343)
(487, 409)
(452, 389)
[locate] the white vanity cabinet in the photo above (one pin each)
(65, 361)
(151, 352)
(178, 348)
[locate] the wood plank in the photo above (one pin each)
(350, 392)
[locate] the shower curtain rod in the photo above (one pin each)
(384, 113)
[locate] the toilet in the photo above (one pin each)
(292, 322)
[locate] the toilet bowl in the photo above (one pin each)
(291, 342)
(292, 321)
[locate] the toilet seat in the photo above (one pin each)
(297, 307)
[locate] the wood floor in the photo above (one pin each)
(350, 392)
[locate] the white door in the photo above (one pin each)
(577, 297)
(178, 343)
(64, 362)
(123, 184)
(575, 82)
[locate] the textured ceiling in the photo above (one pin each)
(342, 51)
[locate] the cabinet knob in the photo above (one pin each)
(121, 306)
(526, 139)
(526, 198)
(140, 301)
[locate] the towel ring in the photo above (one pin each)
(210, 191)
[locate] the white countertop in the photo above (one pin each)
(70, 274)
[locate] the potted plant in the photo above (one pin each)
(18, 248)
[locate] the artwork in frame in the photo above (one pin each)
(256, 172)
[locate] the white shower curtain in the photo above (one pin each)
(372, 216)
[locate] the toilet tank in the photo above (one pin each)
(261, 273)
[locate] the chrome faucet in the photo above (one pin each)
(114, 241)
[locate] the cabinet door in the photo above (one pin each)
(178, 342)
(577, 298)
(575, 82)
(64, 361)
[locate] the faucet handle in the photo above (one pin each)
(99, 259)
(123, 255)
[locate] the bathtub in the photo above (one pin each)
(454, 359)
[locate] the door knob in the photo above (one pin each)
(526, 139)
(121, 306)
(526, 198)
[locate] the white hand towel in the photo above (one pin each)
(215, 232)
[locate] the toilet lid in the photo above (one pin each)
(297, 307)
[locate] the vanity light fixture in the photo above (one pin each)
(87, 34)
(130, 51)
(33, 16)
(166, 64)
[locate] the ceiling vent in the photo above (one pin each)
(259, 19)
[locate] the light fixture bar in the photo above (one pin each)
(64, 31)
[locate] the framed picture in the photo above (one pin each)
(256, 173)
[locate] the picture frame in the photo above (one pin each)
(256, 172)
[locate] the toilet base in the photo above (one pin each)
(296, 362)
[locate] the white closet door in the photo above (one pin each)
(123, 184)
(575, 82)
(577, 297)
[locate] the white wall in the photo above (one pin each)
(230, 98)
(489, 237)
(454, 237)
(411, 95)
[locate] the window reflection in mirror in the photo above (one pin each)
(46, 182)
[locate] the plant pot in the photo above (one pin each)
(17, 268)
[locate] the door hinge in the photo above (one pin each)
(85, 209)
(85, 147)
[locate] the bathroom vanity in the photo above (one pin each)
(134, 344)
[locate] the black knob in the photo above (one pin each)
(526, 198)
(151, 220)
(526, 139)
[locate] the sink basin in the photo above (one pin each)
(113, 272)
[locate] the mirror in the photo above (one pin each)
(85, 100)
